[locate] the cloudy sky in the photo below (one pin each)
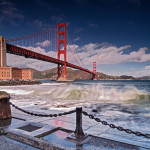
(114, 33)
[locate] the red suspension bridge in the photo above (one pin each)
(43, 46)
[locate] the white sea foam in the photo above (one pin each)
(93, 93)
(52, 84)
(17, 92)
(111, 101)
(78, 93)
(72, 95)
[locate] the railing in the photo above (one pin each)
(78, 134)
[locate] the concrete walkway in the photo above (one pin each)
(7, 144)
(99, 132)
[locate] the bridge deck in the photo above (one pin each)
(30, 54)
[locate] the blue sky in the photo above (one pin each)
(114, 33)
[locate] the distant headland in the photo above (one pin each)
(51, 74)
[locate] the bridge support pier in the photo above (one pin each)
(61, 50)
(61, 73)
(3, 61)
(94, 71)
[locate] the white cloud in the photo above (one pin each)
(101, 53)
(44, 43)
(147, 67)
(72, 54)
(76, 39)
(9, 13)
(145, 71)
(23, 62)
(72, 47)
(111, 54)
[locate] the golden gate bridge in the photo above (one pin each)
(41, 46)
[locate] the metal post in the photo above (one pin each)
(79, 131)
(5, 111)
(78, 136)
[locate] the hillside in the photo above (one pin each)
(145, 78)
(51, 74)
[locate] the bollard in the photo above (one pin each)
(78, 136)
(79, 131)
(5, 111)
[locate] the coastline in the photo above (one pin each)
(41, 100)
(13, 83)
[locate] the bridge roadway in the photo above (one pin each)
(12, 49)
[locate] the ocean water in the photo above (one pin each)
(124, 103)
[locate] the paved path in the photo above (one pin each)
(7, 144)
(89, 126)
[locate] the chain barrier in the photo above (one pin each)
(42, 115)
(129, 131)
(117, 127)
(2, 132)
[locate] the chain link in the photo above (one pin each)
(117, 127)
(42, 115)
(84, 113)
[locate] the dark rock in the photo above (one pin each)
(94, 110)
(11, 83)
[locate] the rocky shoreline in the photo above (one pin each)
(13, 83)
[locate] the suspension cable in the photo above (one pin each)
(73, 54)
(31, 35)
(75, 49)
(17, 39)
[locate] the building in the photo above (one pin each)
(15, 73)
(11, 72)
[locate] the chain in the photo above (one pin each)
(117, 127)
(2, 132)
(42, 115)
(129, 131)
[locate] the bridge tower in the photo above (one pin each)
(94, 71)
(3, 61)
(61, 51)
